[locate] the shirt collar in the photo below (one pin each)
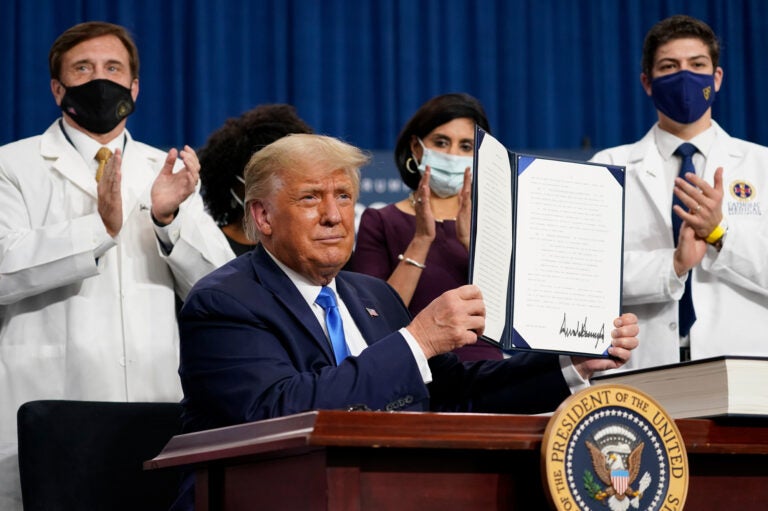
(307, 289)
(668, 143)
(86, 146)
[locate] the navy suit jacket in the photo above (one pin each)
(252, 349)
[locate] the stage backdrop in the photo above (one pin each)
(553, 74)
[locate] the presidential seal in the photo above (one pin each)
(612, 447)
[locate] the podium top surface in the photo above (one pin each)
(329, 428)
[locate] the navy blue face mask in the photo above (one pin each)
(683, 96)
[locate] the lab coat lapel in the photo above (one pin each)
(648, 167)
(65, 160)
(139, 169)
(723, 154)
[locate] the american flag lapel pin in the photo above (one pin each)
(372, 312)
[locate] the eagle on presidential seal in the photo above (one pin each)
(616, 456)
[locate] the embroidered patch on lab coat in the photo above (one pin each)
(745, 196)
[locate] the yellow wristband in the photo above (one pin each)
(715, 235)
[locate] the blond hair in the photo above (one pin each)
(293, 155)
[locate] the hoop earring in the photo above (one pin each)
(408, 166)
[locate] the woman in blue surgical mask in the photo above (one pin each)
(420, 245)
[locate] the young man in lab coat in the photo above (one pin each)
(720, 251)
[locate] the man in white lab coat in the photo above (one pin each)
(722, 246)
(89, 269)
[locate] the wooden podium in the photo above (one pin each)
(368, 461)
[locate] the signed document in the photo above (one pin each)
(546, 249)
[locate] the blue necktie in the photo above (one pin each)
(687, 315)
(327, 300)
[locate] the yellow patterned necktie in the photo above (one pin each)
(102, 155)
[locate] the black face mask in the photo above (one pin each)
(98, 105)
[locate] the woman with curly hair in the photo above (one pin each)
(223, 158)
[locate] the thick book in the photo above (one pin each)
(710, 387)
(546, 245)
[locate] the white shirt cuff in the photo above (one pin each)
(572, 377)
(418, 354)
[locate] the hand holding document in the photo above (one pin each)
(546, 249)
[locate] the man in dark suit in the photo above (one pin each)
(254, 344)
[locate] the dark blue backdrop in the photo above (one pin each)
(553, 74)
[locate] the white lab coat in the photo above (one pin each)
(730, 287)
(75, 328)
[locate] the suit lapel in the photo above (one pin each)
(363, 312)
(285, 292)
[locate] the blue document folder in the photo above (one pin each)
(546, 249)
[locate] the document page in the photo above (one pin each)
(492, 239)
(568, 254)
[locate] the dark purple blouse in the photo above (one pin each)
(385, 233)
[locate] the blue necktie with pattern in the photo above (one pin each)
(687, 315)
(327, 300)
